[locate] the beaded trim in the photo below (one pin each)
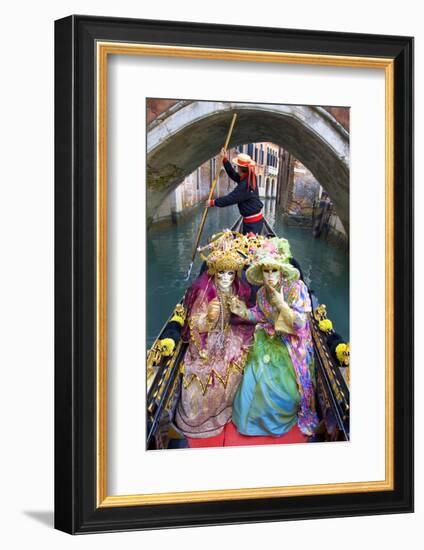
(235, 366)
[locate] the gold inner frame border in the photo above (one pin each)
(103, 50)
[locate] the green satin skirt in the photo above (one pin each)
(267, 400)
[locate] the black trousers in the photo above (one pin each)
(253, 227)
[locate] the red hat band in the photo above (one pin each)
(243, 162)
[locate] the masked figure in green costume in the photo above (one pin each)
(277, 388)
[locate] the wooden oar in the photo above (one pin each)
(205, 213)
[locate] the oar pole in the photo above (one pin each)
(205, 212)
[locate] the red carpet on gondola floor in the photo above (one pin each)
(229, 437)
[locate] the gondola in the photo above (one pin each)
(164, 379)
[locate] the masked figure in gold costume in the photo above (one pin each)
(218, 344)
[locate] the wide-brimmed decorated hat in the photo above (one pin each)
(243, 160)
(272, 254)
(282, 245)
(246, 161)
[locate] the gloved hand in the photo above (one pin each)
(277, 298)
(237, 307)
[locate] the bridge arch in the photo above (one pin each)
(191, 132)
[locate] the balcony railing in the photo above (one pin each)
(271, 171)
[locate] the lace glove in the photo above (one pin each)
(284, 321)
(285, 317)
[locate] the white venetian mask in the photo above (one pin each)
(224, 280)
(271, 276)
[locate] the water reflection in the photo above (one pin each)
(325, 268)
(269, 210)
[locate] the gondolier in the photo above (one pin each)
(245, 195)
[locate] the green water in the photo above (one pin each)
(325, 268)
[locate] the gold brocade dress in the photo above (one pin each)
(212, 370)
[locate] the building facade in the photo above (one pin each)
(193, 190)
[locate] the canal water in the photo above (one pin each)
(325, 267)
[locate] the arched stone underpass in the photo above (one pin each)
(190, 133)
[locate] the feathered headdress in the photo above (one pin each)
(227, 252)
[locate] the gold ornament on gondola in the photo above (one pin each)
(343, 354)
(179, 314)
(320, 315)
(320, 312)
(167, 346)
(325, 325)
(154, 355)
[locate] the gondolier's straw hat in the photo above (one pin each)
(245, 161)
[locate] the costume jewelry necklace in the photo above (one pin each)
(223, 299)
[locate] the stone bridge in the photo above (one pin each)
(188, 133)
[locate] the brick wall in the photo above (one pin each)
(341, 114)
(155, 107)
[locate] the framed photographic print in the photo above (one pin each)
(234, 274)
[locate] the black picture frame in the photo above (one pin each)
(76, 508)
